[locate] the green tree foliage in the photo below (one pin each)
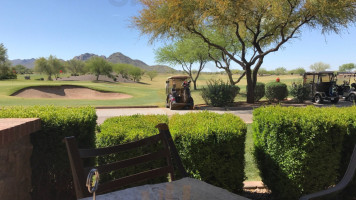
(136, 73)
(122, 69)
(280, 71)
(299, 70)
(347, 67)
(5, 72)
(185, 52)
(20, 69)
(76, 67)
(99, 66)
(258, 27)
(152, 74)
(50, 66)
(319, 66)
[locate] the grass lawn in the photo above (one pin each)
(145, 93)
(251, 170)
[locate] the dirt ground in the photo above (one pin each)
(67, 92)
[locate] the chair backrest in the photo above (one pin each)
(80, 173)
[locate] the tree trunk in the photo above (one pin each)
(229, 74)
(97, 77)
(195, 84)
(250, 86)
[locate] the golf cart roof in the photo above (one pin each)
(323, 72)
(346, 73)
(179, 77)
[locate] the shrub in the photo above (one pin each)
(218, 93)
(276, 91)
(211, 147)
(124, 129)
(259, 91)
(300, 92)
(298, 150)
(51, 173)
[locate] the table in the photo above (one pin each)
(183, 189)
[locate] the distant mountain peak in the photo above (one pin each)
(87, 56)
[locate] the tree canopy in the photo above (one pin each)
(258, 27)
(347, 67)
(319, 66)
(99, 66)
(185, 52)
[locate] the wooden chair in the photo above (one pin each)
(350, 172)
(80, 173)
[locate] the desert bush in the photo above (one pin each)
(300, 92)
(302, 150)
(218, 93)
(276, 91)
(51, 173)
(211, 147)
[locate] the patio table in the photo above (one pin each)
(183, 189)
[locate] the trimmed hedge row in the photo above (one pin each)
(302, 150)
(276, 91)
(211, 145)
(51, 173)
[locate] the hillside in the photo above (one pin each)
(113, 58)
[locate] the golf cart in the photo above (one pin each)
(345, 88)
(322, 86)
(178, 93)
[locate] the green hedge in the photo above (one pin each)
(303, 150)
(218, 93)
(212, 147)
(51, 174)
(124, 129)
(276, 91)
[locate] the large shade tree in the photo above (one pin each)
(4, 63)
(51, 66)
(259, 27)
(185, 52)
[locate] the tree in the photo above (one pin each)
(57, 66)
(185, 52)
(319, 66)
(5, 72)
(136, 73)
(299, 70)
(20, 69)
(152, 74)
(42, 66)
(75, 66)
(123, 69)
(99, 66)
(280, 71)
(347, 67)
(259, 27)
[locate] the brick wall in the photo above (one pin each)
(15, 155)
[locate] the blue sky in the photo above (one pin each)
(67, 28)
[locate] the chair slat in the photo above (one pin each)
(131, 162)
(135, 178)
(88, 153)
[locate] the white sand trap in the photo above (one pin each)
(67, 92)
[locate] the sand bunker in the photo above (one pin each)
(67, 92)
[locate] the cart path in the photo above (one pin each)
(103, 114)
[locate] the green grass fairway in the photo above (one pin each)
(145, 93)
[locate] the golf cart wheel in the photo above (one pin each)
(318, 99)
(335, 101)
(352, 97)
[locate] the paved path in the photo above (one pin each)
(245, 115)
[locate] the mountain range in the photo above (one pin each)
(113, 58)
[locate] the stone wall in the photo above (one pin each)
(15, 155)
